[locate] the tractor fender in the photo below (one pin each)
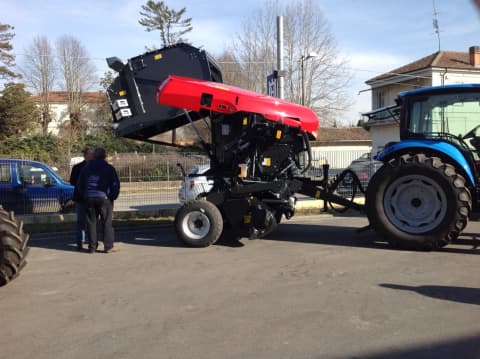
(443, 149)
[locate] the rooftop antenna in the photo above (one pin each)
(435, 24)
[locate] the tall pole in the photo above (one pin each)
(302, 60)
(280, 65)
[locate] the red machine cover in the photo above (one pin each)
(194, 94)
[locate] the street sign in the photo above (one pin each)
(272, 85)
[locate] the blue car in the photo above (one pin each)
(33, 187)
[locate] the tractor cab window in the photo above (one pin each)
(441, 115)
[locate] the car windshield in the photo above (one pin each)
(365, 157)
(198, 170)
(193, 171)
(455, 114)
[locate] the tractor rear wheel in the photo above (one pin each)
(199, 223)
(418, 202)
(13, 247)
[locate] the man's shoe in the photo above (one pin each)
(79, 247)
(111, 250)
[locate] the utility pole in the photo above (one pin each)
(304, 58)
(280, 65)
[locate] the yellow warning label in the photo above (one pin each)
(245, 121)
(278, 135)
(157, 57)
(267, 161)
(247, 219)
(122, 92)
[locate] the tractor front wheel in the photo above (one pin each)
(418, 202)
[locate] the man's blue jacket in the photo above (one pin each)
(98, 179)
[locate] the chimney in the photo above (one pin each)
(474, 55)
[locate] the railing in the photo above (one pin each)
(155, 179)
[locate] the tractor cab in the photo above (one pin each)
(447, 113)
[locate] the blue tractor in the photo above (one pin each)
(428, 187)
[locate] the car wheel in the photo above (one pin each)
(199, 223)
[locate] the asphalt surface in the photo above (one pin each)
(314, 289)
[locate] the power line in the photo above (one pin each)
(62, 57)
(355, 69)
(233, 63)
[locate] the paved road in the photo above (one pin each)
(315, 289)
(135, 201)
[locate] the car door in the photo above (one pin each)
(41, 188)
(12, 193)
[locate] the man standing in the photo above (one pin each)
(80, 205)
(99, 186)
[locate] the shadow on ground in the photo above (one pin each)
(163, 235)
(464, 347)
(465, 295)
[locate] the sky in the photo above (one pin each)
(374, 35)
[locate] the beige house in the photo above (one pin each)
(439, 68)
(58, 100)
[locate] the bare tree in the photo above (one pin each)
(40, 71)
(232, 69)
(7, 60)
(77, 76)
(325, 76)
(255, 48)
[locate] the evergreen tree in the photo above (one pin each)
(7, 60)
(18, 113)
(171, 24)
(158, 16)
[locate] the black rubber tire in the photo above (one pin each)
(208, 214)
(278, 217)
(271, 225)
(456, 210)
(13, 247)
(68, 207)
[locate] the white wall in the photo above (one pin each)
(60, 116)
(392, 90)
(337, 156)
(439, 77)
(383, 134)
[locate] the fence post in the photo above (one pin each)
(325, 169)
(168, 171)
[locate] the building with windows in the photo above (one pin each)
(92, 103)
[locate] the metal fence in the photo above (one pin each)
(154, 179)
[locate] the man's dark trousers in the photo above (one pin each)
(81, 210)
(102, 207)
